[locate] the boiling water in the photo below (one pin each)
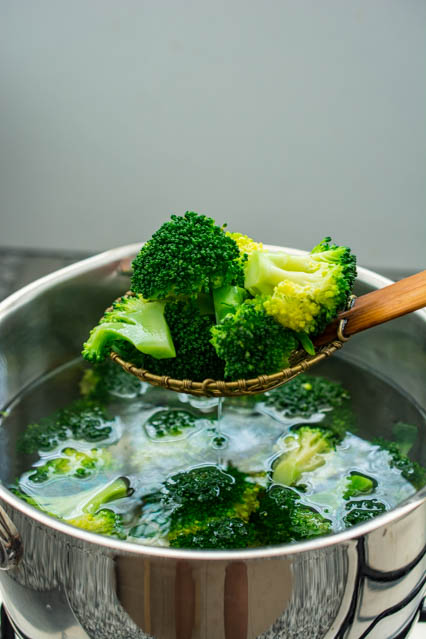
(248, 434)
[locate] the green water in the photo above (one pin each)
(250, 435)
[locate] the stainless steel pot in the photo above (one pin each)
(61, 582)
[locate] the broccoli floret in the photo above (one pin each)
(251, 342)
(218, 534)
(106, 379)
(410, 470)
(357, 484)
(186, 256)
(245, 244)
(206, 499)
(204, 484)
(303, 292)
(282, 518)
(305, 452)
(83, 419)
(195, 358)
(72, 463)
(131, 319)
(169, 423)
(104, 522)
(305, 395)
(93, 516)
(361, 510)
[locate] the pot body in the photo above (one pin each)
(64, 583)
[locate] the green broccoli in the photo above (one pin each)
(227, 299)
(207, 499)
(306, 450)
(169, 423)
(135, 320)
(105, 380)
(93, 516)
(410, 470)
(305, 395)
(303, 292)
(357, 484)
(104, 522)
(218, 534)
(72, 463)
(245, 244)
(251, 342)
(282, 518)
(187, 255)
(361, 510)
(195, 358)
(83, 419)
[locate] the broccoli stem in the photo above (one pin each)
(145, 328)
(115, 490)
(226, 299)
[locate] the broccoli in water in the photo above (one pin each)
(83, 419)
(93, 516)
(282, 518)
(357, 484)
(306, 450)
(251, 342)
(305, 395)
(361, 510)
(410, 470)
(131, 319)
(73, 463)
(303, 292)
(188, 255)
(106, 380)
(211, 508)
(169, 423)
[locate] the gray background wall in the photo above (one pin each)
(289, 120)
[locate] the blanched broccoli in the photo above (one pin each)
(245, 244)
(93, 516)
(305, 395)
(303, 292)
(357, 484)
(169, 423)
(188, 255)
(72, 463)
(83, 419)
(282, 518)
(227, 299)
(410, 470)
(252, 343)
(361, 510)
(195, 358)
(106, 380)
(104, 522)
(306, 450)
(131, 319)
(218, 534)
(211, 508)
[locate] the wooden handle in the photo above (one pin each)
(379, 307)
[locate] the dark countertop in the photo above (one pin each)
(19, 267)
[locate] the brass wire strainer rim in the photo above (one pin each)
(220, 388)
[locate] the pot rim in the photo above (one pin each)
(117, 254)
